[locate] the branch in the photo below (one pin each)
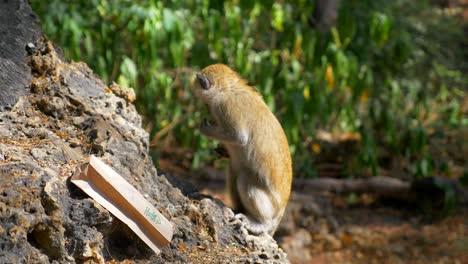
(379, 185)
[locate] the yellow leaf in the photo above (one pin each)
(315, 147)
(164, 123)
(329, 77)
(297, 47)
(364, 96)
(306, 93)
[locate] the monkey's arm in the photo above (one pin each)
(225, 134)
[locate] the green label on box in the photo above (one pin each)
(152, 215)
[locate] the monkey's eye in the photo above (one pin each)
(203, 81)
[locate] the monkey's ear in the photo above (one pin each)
(203, 81)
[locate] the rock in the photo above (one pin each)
(126, 93)
(49, 127)
(19, 27)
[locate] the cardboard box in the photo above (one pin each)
(114, 193)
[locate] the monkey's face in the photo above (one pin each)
(213, 81)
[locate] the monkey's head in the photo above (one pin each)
(216, 80)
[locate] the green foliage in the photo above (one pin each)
(379, 72)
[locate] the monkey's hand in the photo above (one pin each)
(223, 134)
(209, 129)
(221, 152)
(205, 125)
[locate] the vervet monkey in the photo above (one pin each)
(260, 173)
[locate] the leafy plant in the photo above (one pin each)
(384, 71)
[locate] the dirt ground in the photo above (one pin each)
(376, 233)
(329, 228)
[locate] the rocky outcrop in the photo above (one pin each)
(53, 115)
(18, 25)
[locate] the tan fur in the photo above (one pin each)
(260, 174)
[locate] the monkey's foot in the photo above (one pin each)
(254, 227)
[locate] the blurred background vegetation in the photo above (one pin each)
(389, 75)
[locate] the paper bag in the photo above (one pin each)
(118, 196)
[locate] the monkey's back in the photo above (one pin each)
(266, 154)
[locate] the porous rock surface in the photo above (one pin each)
(56, 115)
